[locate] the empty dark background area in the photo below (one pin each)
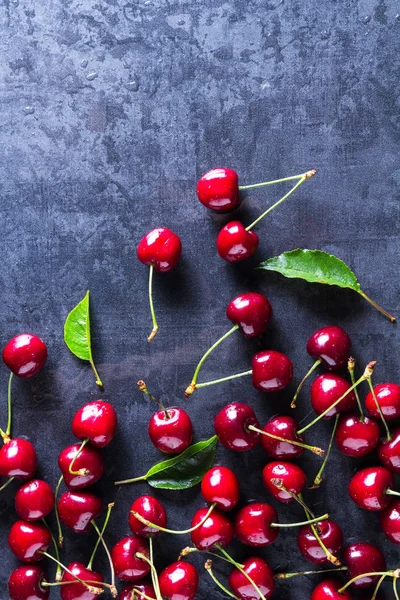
(110, 111)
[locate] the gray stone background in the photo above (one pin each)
(110, 111)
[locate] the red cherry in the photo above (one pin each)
(284, 427)
(389, 452)
(272, 371)
(331, 536)
(292, 477)
(368, 488)
(235, 244)
(145, 588)
(329, 590)
(331, 345)
(252, 312)
(75, 590)
(77, 510)
(160, 248)
(172, 435)
(218, 189)
(390, 522)
(260, 573)
(220, 485)
(217, 529)
(231, 426)
(26, 583)
(356, 437)
(388, 396)
(179, 581)
(34, 500)
(363, 558)
(253, 524)
(128, 567)
(151, 509)
(28, 540)
(97, 422)
(326, 389)
(18, 459)
(25, 355)
(88, 459)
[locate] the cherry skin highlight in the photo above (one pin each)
(388, 396)
(389, 452)
(260, 573)
(235, 244)
(253, 524)
(218, 190)
(329, 590)
(331, 345)
(25, 355)
(220, 485)
(151, 509)
(161, 248)
(231, 426)
(355, 437)
(129, 567)
(271, 371)
(390, 521)
(96, 421)
(251, 312)
(284, 427)
(18, 459)
(368, 487)
(88, 458)
(217, 529)
(25, 583)
(363, 558)
(28, 540)
(326, 389)
(172, 435)
(330, 534)
(179, 581)
(292, 477)
(76, 590)
(77, 509)
(143, 587)
(34, 500)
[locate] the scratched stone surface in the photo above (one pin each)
(110, 111)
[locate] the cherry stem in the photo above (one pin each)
(190, 550)
(241, 569)
(60, 533)
(143, 388)
(299, 387)
(351, 364)
(332, 559)
(392, 493)
(132, 480)
(290, 575)
(289, 193)
(153, 314)
(59, 570)
(8, 430)
(94, 590)
(318, 478)
(100, 537)
(145, 521)
(207, 383)
(264, 183)
(374, 304)
(388, 434)
(81, 471)
(384, 574)
(149, 561)
(138, 594)
(313, 449)
(366, 375)
(396, 595)
(208, 568)
(298, 497)
(113, 589)
(9, 480)
(309, 522)
(190, 389)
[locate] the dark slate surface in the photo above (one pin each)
(110, 110)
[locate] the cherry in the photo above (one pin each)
(329, 590)
(87, 467)
(218, 189)
(179, 581)
(231, 426)
(251, 312)
(18, 459)
(171, 435)
(25, 354)
(292, 477)
(235, 243)
(253, 524)
(97, 422)
(390, 522)
(77, 510)
(330, 346)
(388, 396)
(363, 558)
(29, 540)
(128, 566)
(389, 452)
(356, 436)
(283, 427)
(141, 588)
(26, 583)
(370, 488)
(151, 509)
(271, 371)
(326, 389)
(262, 575)
(221, 486)
(76, 590)
(217, 529)
(34, 500)
(330, 535)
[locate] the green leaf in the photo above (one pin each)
(317, 266)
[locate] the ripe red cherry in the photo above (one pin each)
(389, 452)
(331, 536)
(260, 573)
(218, 189)
(75, 590)
(231, 426)
(34, 500)
(97, 422)
(235, 244)
(77, 509)
(330, 345)
(292, 477)
(26, 583)
(356, 437)
(151, 509)
(128, 567)
(390, 522)
(18, 459)
(326, 389)
(252, 312)
(368, 488)
(89, 459)
(172, 435)
(25, 355)
(329, 590)
(271, 371)
(160, 248)
(253, 524)
(28, 540)
(217, 529)
(220, 485)
(284, 427)
(179, 581)
(143, 587)
(388, 396)
(363, 558)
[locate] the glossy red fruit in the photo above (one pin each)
(77, 509)
(18, 459)
(220, 485)
(26, 583)
(231, 426)
(253, 524)
(218, 189)
(96, 421)
(390, 521)
(252, 312)
(292, 477)
(260, 573)
(356, 437)
(330, 534)
(329, 590)
(145, 588)
(331, 345)
(284, 427)
(326, 389)
(388, 396)
(151, 509)
(128, 567)
(173, 435)
(25, 355)
(389, 452)
(34, 500)
(368, 488)
(88, 459)
(272, 371)
(363, 558)
(235, 244)
(28, 540)
(161, 248)
(179, 581)
(217, 529)
(75, 590)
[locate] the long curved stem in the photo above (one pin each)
(59, 570)
(100, 537)
(375, 305)
(9, 480)
(152, 311)
(302, 382)
(9, 407)
(362, 575)
(207, 383)
(208, 568)
(318, 477)
(301, 573)
(388, 434)
(114, 591)
(313, 449)
(190, 550)
(396, 595)
(315, 529)
(139, 517)
(143, 388)
(59, 529)
(310, 522)
(351, 364)
(89, 587)
(71, 464)
(240, 568)
(264, 183)
(149, 561)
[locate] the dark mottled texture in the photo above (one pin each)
(110, 110)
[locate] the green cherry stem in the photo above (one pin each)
(208, 568)
(207, 383)
(351, 364)
(94, 590)
(8, 430)
(241, 569)
(100, 537)
(9, 480)
(59, 529)
(375, 305)
(302, 382)
(132, 480)
(318, 478)
(150, 562)
(153, 314)
(313, 449)
(189, 550)
(59, 570)
(71, 464)
(143, 388)
(138, 594)
(139, 517)
(388, 434)
(392, 493)
(383, 574)
(298, 497)
(308, 522)
(264, 183)
(301, 573)
(395, 592)
(113, 589)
